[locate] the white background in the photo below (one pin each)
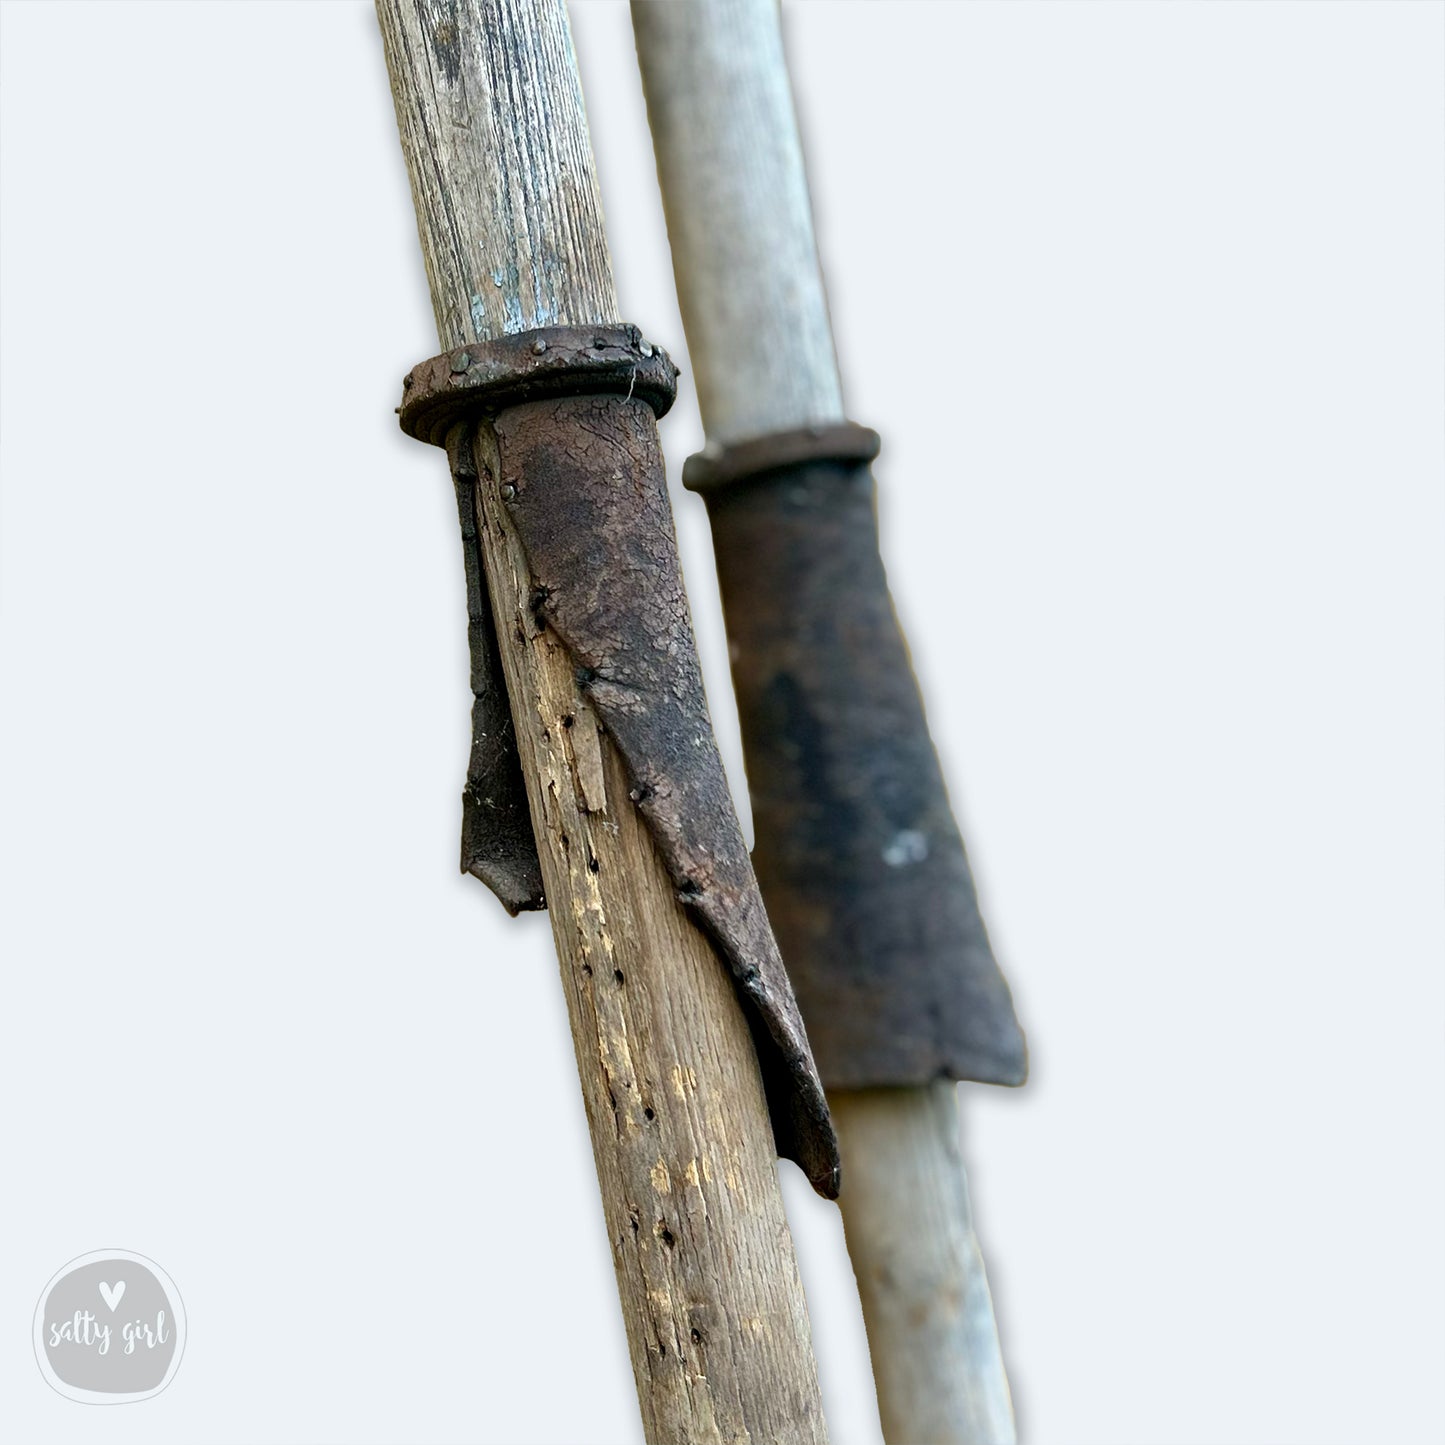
(1167, 539)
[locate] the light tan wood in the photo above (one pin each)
(716, 1322)
(720, 106)
(926, 1302)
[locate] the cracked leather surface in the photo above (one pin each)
(574, 414)
(589, 504)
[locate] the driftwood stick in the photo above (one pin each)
(920, 1273)
(738, 216)
(491, 118)
(753, 304)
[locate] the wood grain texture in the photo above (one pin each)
(491, 120)
(738, 215)
(716, 1319)
(495, 135)
(926, 1302)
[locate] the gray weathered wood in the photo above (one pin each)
(492, 123)
(909, 1227)
(751, 289)
(736, 198)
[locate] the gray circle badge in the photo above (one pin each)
(110, 1328)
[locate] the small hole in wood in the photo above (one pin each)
(618, 975)
(649, 1115)
(669, 1240)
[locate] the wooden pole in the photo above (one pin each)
(492, 124)
(755, 311)
(936, 1357)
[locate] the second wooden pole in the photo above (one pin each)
(753, 303)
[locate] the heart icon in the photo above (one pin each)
(111, 1294)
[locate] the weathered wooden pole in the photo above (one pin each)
(862, 870)
(543, 443)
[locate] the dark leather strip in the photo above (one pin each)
(860, 860)
(498, 846)
(710, 471)
(583, 480)
(486, 378)
(587, 496)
